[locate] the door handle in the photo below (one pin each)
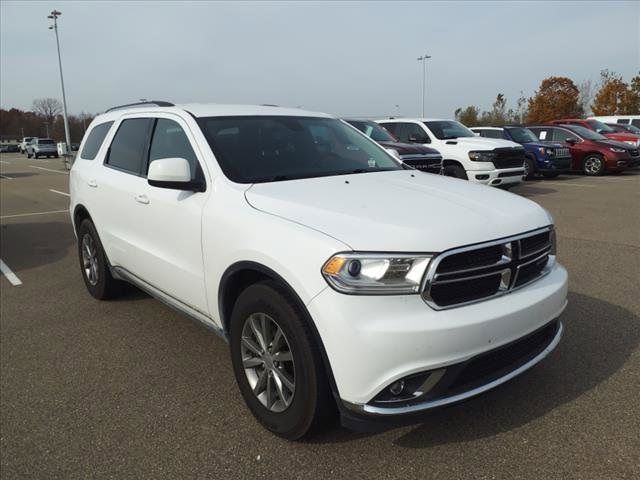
(92, 183)
(142, 198)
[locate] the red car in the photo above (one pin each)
(591, 152)
(601, 128)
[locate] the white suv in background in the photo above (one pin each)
(465, 155)
(288, 233)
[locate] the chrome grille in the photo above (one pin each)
(470, 274)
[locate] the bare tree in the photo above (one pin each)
(49, 108)
(586, 95)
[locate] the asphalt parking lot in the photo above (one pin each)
(132, 389)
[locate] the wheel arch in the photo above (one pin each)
(80, 213)
(451, 161)
(241, 275)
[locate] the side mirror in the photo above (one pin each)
(174, 173)
(571, 141)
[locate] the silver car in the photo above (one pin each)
(42, 147)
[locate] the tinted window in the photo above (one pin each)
(491, 133)
(373, 131)
(448, 129)
(170, 141)
(636, 122)
(392, 127)
(45, 141)
(522, 135)
(561, 135)
(413, 133)
(94, 140)
(252, 149)
(127, 148)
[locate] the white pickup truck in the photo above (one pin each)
(488, 161)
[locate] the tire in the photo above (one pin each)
(456, 171)
(529, 168)
(550, 174)
(28, 155)
(35, 155)
(101, 286)
(593, 165)
(56, 156)
(291, 414)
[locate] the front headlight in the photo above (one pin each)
(482, 156)
(632, 142)
(544, 151)
(376, 273)
(617, 150)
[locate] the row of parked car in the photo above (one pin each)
(507, 155)
(41, 147)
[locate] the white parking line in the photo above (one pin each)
(59, 192)
(5, 163)
(8, 178)
(570, 184)
(31, 214)
(50, 170)
(13, 279)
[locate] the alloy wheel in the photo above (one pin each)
(268, 362)
(593, 165)
(90, 259)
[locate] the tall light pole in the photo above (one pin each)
(423, 59)
(54, 16)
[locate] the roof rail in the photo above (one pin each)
(157, 103)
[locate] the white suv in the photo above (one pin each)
(465, 155)
(289, 233)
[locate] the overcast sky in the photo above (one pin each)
(343, 58)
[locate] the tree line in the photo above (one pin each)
(560, 97)
(43, 120)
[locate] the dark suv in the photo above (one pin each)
(417, 156)
(591, 152)
(541, 157)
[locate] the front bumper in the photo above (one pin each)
(509, 176)
(555, 165)
(373, 341)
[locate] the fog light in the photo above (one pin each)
(482, 177)
(397, 387)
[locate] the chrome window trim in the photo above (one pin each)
(431, 275)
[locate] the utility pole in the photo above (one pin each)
(424, 59)
(54, 16)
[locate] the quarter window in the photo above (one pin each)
(128, 146)
(561, 135)
(170, 141)
(94, 141)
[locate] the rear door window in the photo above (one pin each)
(128, 147)
(414, 133)
(94, 141)
(392, 127)
(561, 135)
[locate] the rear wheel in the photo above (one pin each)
(276, 362)
(94, 265)
(456, 171)
(593, 165)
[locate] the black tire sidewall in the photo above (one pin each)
(531, 167)
(103, 288)
(297, 419)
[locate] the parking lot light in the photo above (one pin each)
(54, 16)
(423, 59)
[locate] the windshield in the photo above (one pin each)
(46, 141)
(448, 129)
(373, 130)
(585, 132)
(254, 149)
(522, 135)
(600, 127)
(632, 129)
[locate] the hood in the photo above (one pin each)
(399, 211)
(482, 143)
(409, 148)
(622, 137)
(550, 144)
(617, 144)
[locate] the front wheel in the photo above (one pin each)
(276, 362)
(529, 168)
(455, 171)
(593, 165)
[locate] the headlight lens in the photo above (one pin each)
(481, 156)
(617, 150)
(375, 274)
(631, 142)
(544, 151)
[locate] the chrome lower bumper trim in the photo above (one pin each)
(439, 402)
